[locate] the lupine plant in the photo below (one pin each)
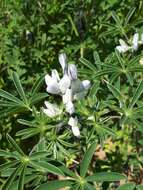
(51, 124)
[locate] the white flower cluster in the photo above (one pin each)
(69, 87)
(136, 41)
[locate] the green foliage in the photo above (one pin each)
(80, 181)
(39, 152)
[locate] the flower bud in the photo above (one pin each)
(135, 41)
(51, 110)
(76, 131)
(73, 122)
(70, 108)
(72, 71)
(63, 61)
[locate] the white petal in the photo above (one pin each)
(70, 108)
(50, 106)
(135, 41)
(55, 75)
(67, 97)
(123, 47)
(86, 84)
(64, 83)
(73, 121)
(53, 88)
(76, 86)
(72, 71)
(76, 131)
(48, 112)
(48, 79)
(63, 61)
(51, 109)
(123, 43)
(120, 49)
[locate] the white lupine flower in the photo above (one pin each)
(123, 47)
(64, 83)
(120, 49)
(68, 96)
(76, 131)
(51, 110)
(73, 122)
(52, 85)
(70, 108)
(63, 61)
(55, 85)
(55, 75)
(80, 88)
(69, 87)
(86, 84)
(135, 41)
(72, 71)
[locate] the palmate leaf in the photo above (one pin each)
(86, 159)
(127, 186)
(10, 97)
(27, 123)
(14, 145)
(37, 85)
(16, 105)
(88, 186)
(12, 110)
(21, 178)
(106, 176)
(105, 72)
(27, 133)
(47, 167)
(38, 155)
(8, 103)
(18, 86)
(135, 69)
(37, 97)
(66, 143)
(88, 64)
(129, 15)
(120, 59)
(26, 180)
(75, 187)
(68, 171)
(55, 185)
(10, 180)
(7, 154)
(136, 95)
(73, 25)
(115, 92)
(8, 165)
(97, 60)
(116, 19)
